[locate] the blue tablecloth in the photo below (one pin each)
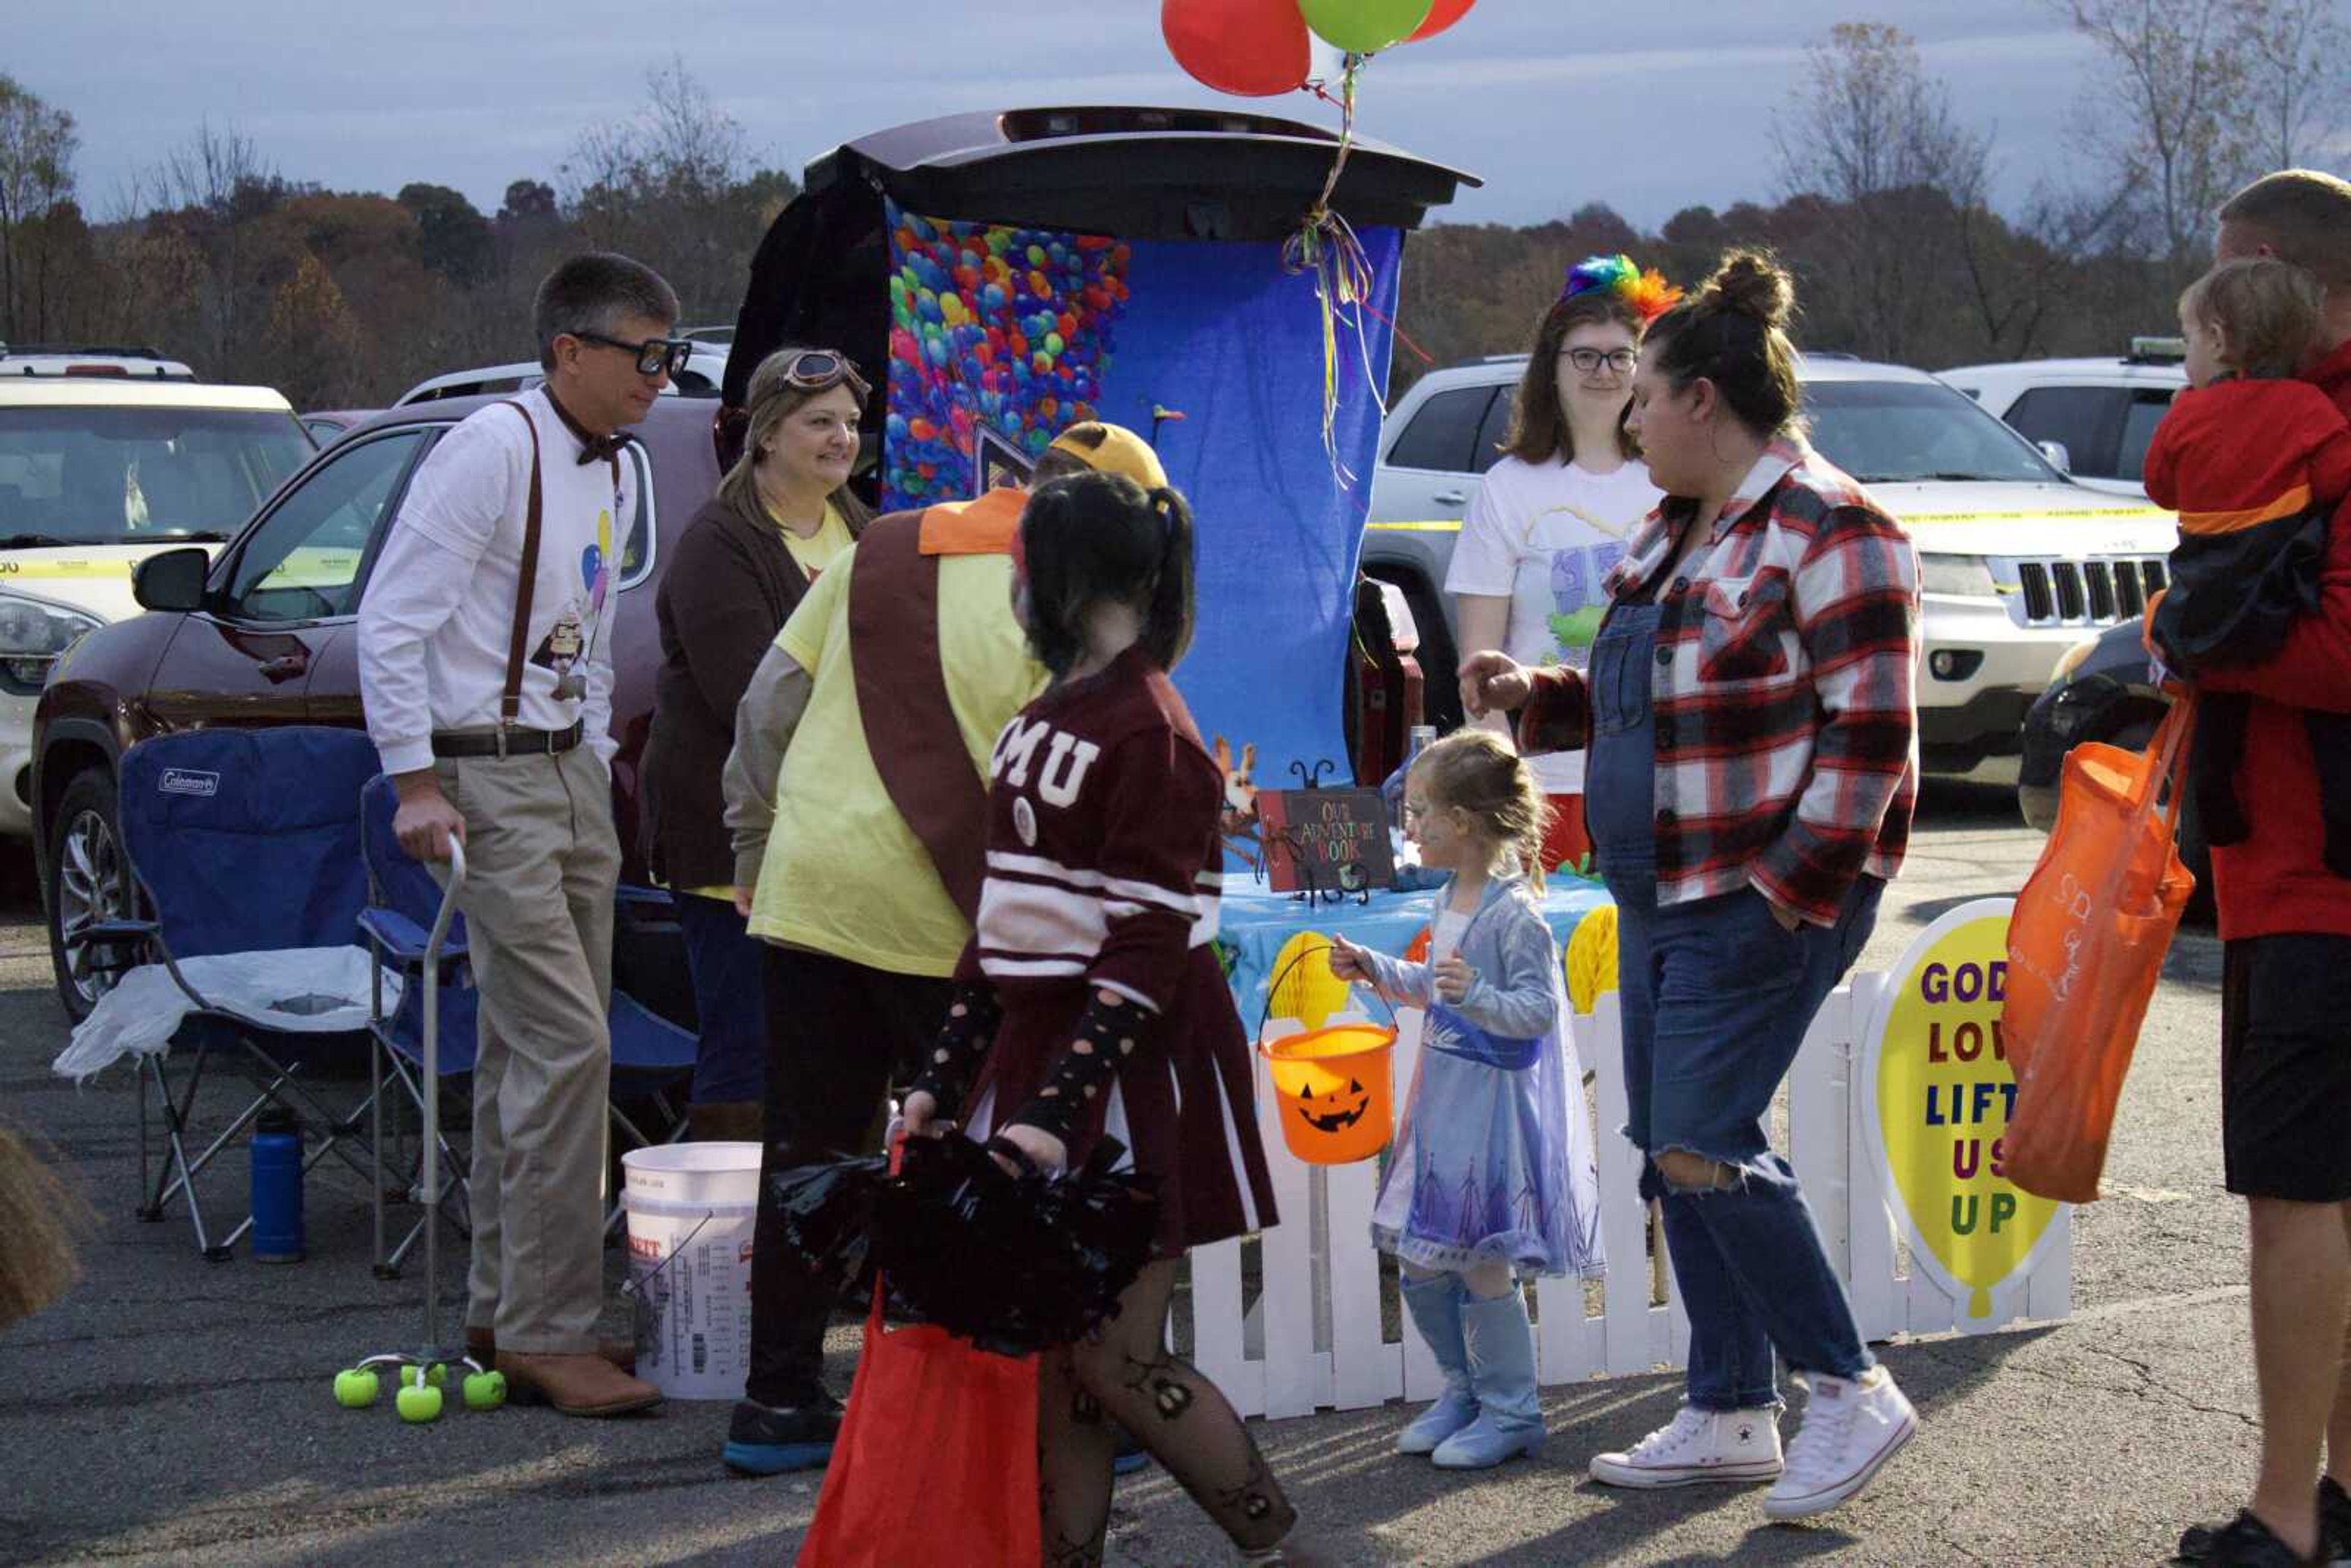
(1256, 922)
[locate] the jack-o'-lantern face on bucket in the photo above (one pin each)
(1336, 1110)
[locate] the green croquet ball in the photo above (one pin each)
(486, 1390)
(419, 1404)
(356, 1388)
(436, 1377)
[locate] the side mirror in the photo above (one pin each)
(173, 579)
(2056, 452)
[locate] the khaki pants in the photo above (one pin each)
(541, 862)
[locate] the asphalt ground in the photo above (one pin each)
(171, 1410)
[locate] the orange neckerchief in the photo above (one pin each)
(984, 527)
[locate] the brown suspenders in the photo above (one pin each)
(510, 700)
(902, 700)
(518, 641)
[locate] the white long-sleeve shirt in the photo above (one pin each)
(439, 609)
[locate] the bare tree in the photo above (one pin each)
(1877, 142)
(215, 187)
(676, 186)
(37, 151)
(2290, 53)
(2166, 124)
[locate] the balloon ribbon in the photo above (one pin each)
(1326, 246)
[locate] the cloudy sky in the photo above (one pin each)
(1649, 108)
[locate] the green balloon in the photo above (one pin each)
(1365, 27)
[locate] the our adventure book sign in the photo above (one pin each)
(1331, 841)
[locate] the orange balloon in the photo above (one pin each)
(1441, 15)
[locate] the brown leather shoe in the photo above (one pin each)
(575, 1384)
(482, 1344)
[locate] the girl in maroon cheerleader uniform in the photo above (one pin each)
(1090, 1003)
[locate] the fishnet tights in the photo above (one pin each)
(1126, 1375)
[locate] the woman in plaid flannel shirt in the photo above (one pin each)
(1750, 721)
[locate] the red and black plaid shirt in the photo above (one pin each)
(1785, 689)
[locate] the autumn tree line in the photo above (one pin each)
(1884, 207)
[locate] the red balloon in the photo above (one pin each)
(1441, 15)
(1254, 49)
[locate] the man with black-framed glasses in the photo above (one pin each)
(485, 671)
(655, 356)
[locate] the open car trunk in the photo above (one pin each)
(1004, 276)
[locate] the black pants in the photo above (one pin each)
(839, 1034)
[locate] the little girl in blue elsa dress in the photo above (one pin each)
(1490, 1181)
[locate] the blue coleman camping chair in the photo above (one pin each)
(651, 1055)
(245, 844)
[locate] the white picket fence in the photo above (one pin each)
(1314, 1337)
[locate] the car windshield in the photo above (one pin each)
(88, 475)
(1894, 433)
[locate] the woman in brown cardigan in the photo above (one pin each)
(782, 514)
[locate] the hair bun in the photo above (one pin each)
(1752, 284)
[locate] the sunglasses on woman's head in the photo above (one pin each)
(815, 370)
(655, 356)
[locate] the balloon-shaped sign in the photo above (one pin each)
(1365, 27)
(1441, 15)
(1943, 1091)
(1255, 48)
(1303, 986)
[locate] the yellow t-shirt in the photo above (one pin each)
(821, 548)
(843, 874)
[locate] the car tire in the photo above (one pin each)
(89, 878)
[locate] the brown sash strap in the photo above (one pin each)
(510, 701)
(902, 698)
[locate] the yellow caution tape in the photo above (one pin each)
(65, 567)
(311, 568)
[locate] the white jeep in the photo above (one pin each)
(2092, 417)
(2018, 563)
(100, 468)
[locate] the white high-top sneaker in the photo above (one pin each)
(1699, 1445)
(1852, 1427)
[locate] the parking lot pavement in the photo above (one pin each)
(171, 1410)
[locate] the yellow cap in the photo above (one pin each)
(1113, 449)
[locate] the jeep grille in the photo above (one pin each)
(2086, 592)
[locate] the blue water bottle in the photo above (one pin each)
(277, 1187)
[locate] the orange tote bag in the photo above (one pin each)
(2084, 950)
(935, 1466)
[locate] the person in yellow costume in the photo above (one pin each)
(856, 795)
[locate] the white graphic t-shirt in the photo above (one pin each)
(1543, 535)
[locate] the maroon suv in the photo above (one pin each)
(264, 633)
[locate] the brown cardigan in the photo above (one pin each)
(729, 589)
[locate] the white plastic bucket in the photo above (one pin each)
(691, 1207)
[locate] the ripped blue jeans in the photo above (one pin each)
(1717, 996)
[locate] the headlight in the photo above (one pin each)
(2075, 656)
(32, 634)
(1956, 577)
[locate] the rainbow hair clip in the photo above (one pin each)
(1646, 293)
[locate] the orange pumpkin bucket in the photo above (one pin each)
(1334, 1087)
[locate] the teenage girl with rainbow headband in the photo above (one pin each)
(1491, 1179)
(1551, 516)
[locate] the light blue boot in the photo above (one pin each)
(1436, 1307)
(1501, 1347)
